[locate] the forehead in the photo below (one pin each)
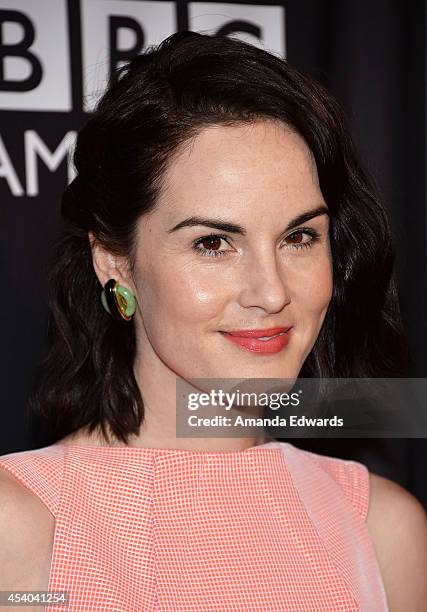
(227, 166)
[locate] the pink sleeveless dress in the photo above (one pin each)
(269, 528)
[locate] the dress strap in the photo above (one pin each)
(351, 476)
(40, 470)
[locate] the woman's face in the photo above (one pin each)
(263, 271)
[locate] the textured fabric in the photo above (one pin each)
(269, 528)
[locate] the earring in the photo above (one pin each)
(118, 301)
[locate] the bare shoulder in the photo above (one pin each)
(26, 537)
(397, 523)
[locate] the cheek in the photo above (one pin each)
(313, 289)
(311, 300)
(181, 296)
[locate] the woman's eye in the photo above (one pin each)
(298, 242)
(210, 245)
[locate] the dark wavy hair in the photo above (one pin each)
(158, 101)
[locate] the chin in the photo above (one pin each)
(266, 370)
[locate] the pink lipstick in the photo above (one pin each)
(263, 341)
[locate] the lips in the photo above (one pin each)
(274, 339)
(258, 333)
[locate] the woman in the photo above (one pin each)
(217, 195)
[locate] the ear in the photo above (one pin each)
(107, 265)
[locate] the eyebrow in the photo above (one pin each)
(233, 228)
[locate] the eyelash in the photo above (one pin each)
(212, 253)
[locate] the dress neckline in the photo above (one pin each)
(271, 445)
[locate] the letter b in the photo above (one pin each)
(19, 49)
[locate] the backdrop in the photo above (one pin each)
(55, 59)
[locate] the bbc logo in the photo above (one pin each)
(35, 51)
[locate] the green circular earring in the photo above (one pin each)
(118, 301)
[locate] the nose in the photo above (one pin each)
(262, 284)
